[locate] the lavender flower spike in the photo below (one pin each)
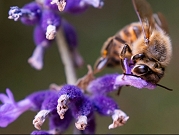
(10, 110)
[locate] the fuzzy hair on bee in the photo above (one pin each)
(156, 56)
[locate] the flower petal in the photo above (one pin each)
(104, 105)
(103, 84)
(10, 112)
(137, 82)
(71, 97)
(50, 18)
(31, 13)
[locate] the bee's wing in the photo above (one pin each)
(161, 21)
(144, 13)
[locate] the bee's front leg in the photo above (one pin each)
(125, 54)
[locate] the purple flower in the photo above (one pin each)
(46, 103)
(102, 85)
(29, 14)
(111, 82)
(105, 105)
(42, 43)
(75, 6)
(43, 14)
(43, 101)
(48, 4)
(71, 97)
(126, 80)
(70, 102)
(10, 110)
(94, 3)
(50, 22)
(61, 107)
(83, 107)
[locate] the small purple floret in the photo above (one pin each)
(31, 13)
(104, 105)
(79, 103)
(103, 85)
(36, 60)
(50, 18)
(137, 82)
(11, 110)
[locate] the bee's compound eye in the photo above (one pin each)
(140, 69)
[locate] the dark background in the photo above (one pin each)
(150, 111)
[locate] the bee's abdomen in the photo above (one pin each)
(129, 33)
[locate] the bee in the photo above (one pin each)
(145, 44)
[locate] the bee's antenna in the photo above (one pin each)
(164, 87)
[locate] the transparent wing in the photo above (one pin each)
(161, 21)
(145, 15)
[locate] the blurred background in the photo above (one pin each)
(150, 111)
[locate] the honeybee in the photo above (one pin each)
(145, 44)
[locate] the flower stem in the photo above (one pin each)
(66, 58)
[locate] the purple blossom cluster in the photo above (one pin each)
(79, 102)
(64, 104)
(44, 15)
